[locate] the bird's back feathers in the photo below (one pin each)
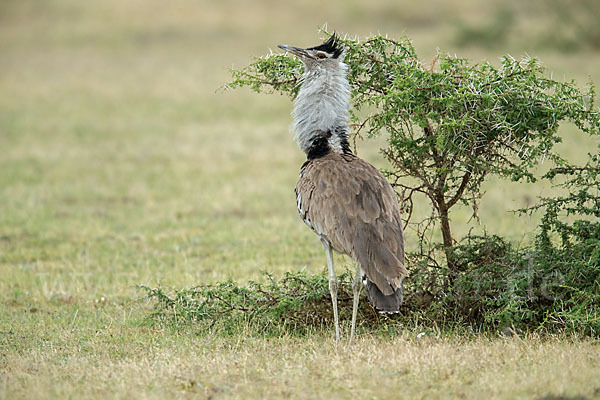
(349, 203)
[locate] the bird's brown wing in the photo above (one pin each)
(349, 202)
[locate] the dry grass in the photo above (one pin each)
(121, 165)
(243, 367)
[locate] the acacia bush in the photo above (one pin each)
(449, 126)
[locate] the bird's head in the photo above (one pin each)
(328, 54)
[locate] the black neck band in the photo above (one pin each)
(319, 146)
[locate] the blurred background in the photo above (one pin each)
(122, 162)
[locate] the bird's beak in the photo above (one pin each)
(295, 50)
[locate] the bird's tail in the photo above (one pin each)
(389, 304)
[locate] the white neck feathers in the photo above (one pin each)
(322, 105)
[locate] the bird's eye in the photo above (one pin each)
(321, 55)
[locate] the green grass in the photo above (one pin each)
(121, 165)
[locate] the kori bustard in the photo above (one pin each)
(346, 201)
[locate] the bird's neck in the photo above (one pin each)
(321, 112)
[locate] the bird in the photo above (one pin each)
(344, 200)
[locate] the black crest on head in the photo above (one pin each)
(332, 46)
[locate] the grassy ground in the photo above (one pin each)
(121, 165)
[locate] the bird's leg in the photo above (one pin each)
(333, 287)
(356, 286)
